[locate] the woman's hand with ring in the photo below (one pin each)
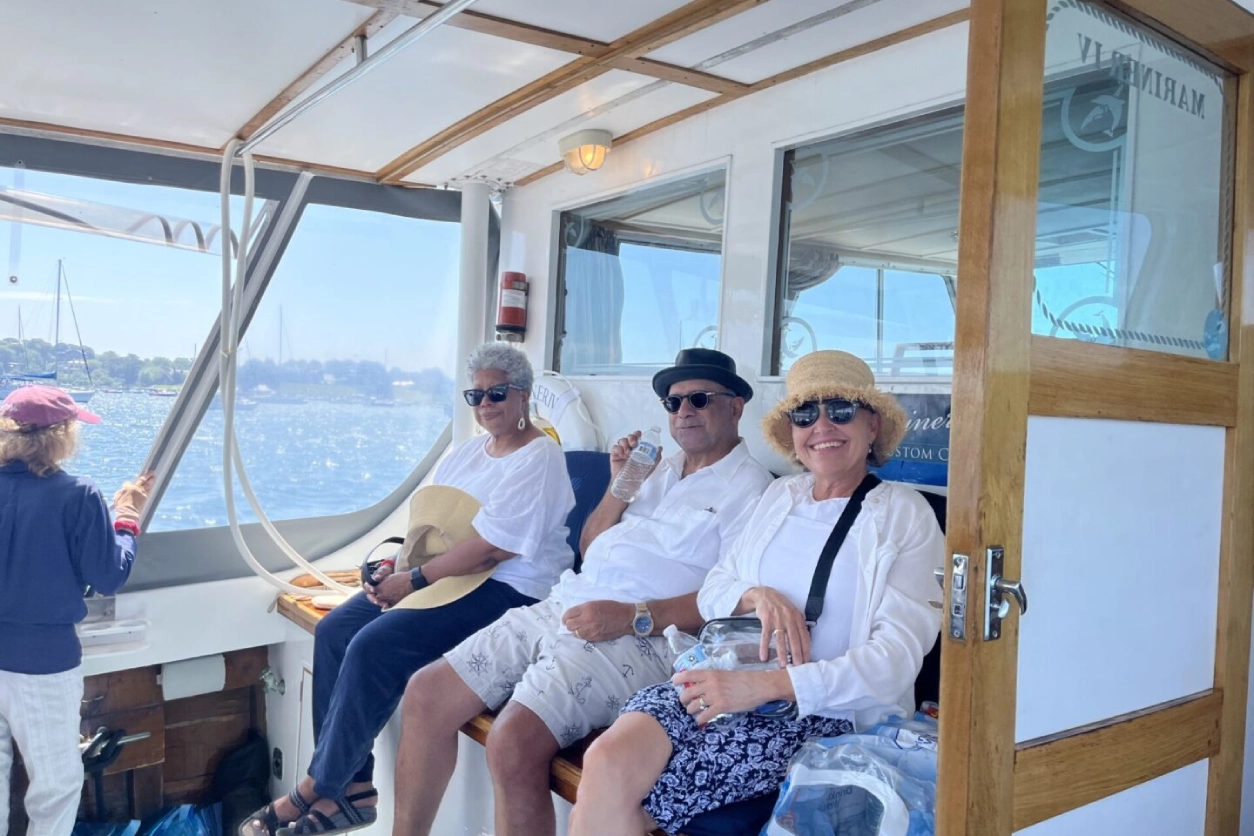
(708, 693)
(781, 621)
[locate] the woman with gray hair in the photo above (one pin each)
(365, 650)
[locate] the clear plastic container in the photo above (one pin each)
(639, 465)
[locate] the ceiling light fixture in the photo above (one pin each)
(585, 151)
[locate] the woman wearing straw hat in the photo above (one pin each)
(366, 649)
(670, 756)
(56, 538)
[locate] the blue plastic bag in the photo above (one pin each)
(881, 782)
(186, 820)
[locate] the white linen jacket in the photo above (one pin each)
(899, 546)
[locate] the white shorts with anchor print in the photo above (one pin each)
(574, 686)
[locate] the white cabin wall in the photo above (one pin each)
(747, 138)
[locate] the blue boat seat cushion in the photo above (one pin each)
(589, 478)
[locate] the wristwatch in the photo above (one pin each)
(417, 579)
(642, 624)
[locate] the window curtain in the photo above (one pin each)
(594, 297)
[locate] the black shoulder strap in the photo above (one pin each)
(822, 572)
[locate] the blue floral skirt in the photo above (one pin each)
(725, 762)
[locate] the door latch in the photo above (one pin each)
(956, 616)
(997, 595)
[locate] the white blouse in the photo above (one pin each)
(801, 536)
(524, 500)
(897, 544)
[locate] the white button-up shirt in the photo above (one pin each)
(897, 544)
(668, 539)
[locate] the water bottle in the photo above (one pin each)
(637, 467)
(690, 654)
(687, 651)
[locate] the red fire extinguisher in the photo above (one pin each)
(511, 315)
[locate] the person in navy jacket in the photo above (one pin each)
(56, 539)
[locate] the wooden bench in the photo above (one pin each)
(566, 768)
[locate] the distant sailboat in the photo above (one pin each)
(13, 380)
(278, 397)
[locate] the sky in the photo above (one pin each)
(351, 285)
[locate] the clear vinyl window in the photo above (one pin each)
(346, 372)
(109, 288)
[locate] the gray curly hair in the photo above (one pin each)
(502, 358)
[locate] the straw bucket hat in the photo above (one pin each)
(440, 517)
(821, 375)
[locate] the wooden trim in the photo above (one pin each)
(1080, 380)
(891, 39)
(1218, 27)
(321, 67)
(1068, 770)
(683, 75)
(525, 33)
(996, 247)
(298, 610)
(692, 17)
(1236, 545)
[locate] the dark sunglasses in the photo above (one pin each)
(699, 400)
(839, 411)
(495, 394)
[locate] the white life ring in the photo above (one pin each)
(556, 400)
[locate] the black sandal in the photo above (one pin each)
(267, 820)
(348, 818)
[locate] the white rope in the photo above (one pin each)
(228, 337)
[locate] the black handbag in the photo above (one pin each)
(716, 629)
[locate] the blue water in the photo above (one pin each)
(304, 460)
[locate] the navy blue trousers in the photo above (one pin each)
(364, 657)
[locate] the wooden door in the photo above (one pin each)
(1103, 439)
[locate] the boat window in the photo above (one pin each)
(123, 279)
(1133, 223)
(346, 373)
(639, 277)
(869, 247)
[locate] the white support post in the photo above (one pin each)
(472, 302)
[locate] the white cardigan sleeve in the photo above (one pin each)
(737, 569)
(903, 625)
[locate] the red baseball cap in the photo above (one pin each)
(43, 406)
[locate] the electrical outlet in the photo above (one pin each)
(276, 763)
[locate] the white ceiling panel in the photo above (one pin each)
(745, 27)
(849, 30)
(183, 72)
(645, 105)
(602, 21)
(544, 124)
(443, 78)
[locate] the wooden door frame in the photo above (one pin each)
(990, 785)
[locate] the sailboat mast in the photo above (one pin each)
(280, 336)
(56, 334)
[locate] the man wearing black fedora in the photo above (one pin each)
(565, 666)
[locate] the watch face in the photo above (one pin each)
(643, 625)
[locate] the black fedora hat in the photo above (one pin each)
(702, 364)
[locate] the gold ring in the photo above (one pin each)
(702, 704)
(576, 632)
(788, 659)
(776, 631)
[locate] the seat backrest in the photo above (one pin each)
(927, 684)
(589, 478)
